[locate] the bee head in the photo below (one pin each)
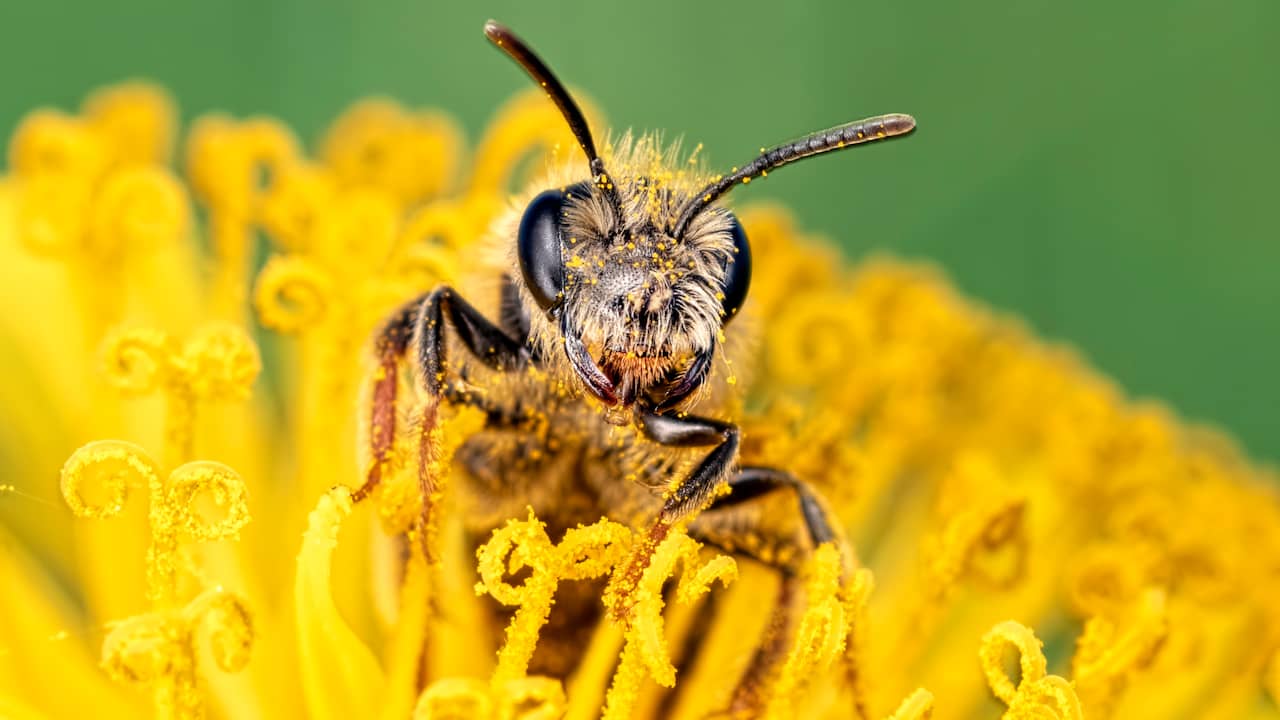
(639, 308)
(642, 267)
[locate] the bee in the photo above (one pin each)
(589, 344)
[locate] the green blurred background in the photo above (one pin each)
(1106, 170)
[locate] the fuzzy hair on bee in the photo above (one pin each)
(645, 303)
(588, 335)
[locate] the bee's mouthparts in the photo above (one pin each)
(622, 377)
(634, 372)
(596, 381)
(687, 382)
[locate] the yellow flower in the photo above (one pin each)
(1028, 542)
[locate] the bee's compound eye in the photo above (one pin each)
(538, 245)
(737, 274)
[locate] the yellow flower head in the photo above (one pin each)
(1011, 535)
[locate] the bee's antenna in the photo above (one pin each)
(837, 138)
(516, 48)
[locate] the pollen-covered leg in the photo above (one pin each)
(690, 494)
(692, 431)
(426, 480)
(483, 340)
(390, 345)
(486, 341)
(781, 550)
(423, 321)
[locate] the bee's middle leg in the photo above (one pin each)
(746, 484)
(752, 482)
(778, 548)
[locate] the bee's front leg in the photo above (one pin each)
(692, 431)
(422, 323)
(389, 347)
(484, 340)
(692, 492)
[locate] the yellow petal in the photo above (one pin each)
(341, 677)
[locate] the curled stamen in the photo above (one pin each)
(226, 159)
(294, 202)
(160, 649)
(411, 156)
(47, 142)
(115, 467)
(1030, 658)
(1036, 694)
(140, 119)
(585, 552)
(175, 518)
(292, 293)
(425, 266)
(205, 482)
(1104, 578)
(220, 362)
(1111, 651)
(446, 224)
(226, 162)
(822, 633)
(51, 217)
(645, 651)
(139, 209)
(143, 650)
(138, 361)
(426, 249)
(820, 334)
(224, 619)
(175, 503)
(984, 535)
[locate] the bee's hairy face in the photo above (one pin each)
(640, 266)
(640, 310)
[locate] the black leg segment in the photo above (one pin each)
(480, 336)
(752, 482)
(693, 431)
(423, 321)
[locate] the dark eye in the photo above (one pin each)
(737, 274)
(538, 245)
